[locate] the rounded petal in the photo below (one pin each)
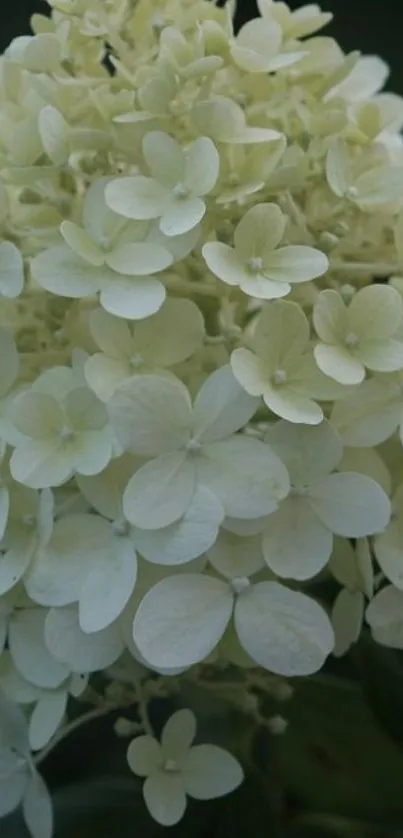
(112, 336)
(221, 406)
(375, 312)
(259, 232)
(296, 545)
(182, 215)
(104, 374)
(284, 631)
(27, 646)
(369, 415)
(187, 538)
(134, 298)
(37, 415)
(171, 335)
(210, 772)
(151, 414)
(108, 585)
(329, 317)
(165, 798)
(62, 272)
(224, 262)
(349, 504)
(74, 648)
(164, 157)
(347, 617)
(9, 360)
(338, 363)
(381, 356)
(144, 755)
(384, 615)
(388, 549)
(246, 475)
(12, 791)
(250, 371)
(236, 557)
(181, 620)
(81, 243)
(160, 491)
(295, 263)
(178, 734)
(202, 165)
(139, 259)
(46, 717)
(37, 808)
(40, 463)
(11, 270)
(137, 197)
(292, 406)
(298, 446)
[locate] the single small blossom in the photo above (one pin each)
(256, 264)
(176, 769)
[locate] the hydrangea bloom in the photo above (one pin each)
(183, 451)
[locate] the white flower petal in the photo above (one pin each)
(297, 447)
(11, 270)
(40, 463)
(72, 647)
(171, 335)
(47, 715)
(181, 215)
(139, 259)
(347, 617)
(164, 157)
(259, 232)
(296, 263)
(144, 755)
(246, 475)
(296, 545)
(11, 791)
(384, 615)
(224, 262)
(284, 631)
(187, 538)
(222, 407)
(111, 334)
(338, 363)
(27, 647)
(388, 549)
(202, 165)
(236, 557)
(37, 808)
(165, 798)
(60, 271)
(351, 505)
(58, 571)
(151, 414)
(381, 356)
(369, 415)
(181, 620)
(134, 298)
(136, 197)
(108, 586)
(329, 316)
(375, 312)
(160, 491)
(81, 242)
(210, 772)
(292, 406)
(178, 734)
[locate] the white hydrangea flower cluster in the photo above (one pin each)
(201, 366)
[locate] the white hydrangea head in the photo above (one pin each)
(201, 368)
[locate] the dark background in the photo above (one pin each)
(368, 25)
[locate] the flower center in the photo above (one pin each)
(193, 446)
(351, 340)
(121, 527)
(255, 264)
(240, 584)
(66, 434)
(180, 191)
(171, 766)
(137, 360)
(279, 377)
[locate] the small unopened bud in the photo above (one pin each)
(277, 725)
